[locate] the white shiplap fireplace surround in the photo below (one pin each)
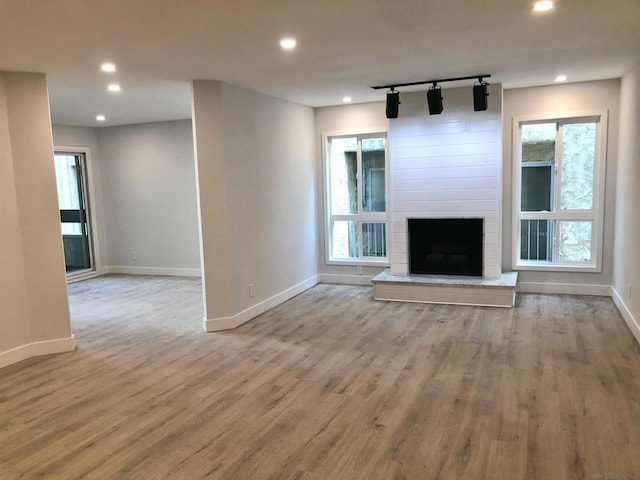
(446, 166)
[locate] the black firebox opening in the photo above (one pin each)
(446, 246)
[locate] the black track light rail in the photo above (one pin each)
(410, 84)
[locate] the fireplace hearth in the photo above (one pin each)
(446, 263)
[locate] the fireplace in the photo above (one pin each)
(442, 168)
(445, 246)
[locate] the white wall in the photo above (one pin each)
(353, 118)
(149, 198)
(565, 98)
(34, 312)
(87, 138)
(446, 166)
(256, 174)
(269, 149)
(627, 226)
(14, 311)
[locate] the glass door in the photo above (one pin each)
(72, 202)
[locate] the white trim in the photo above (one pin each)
(560, 116)
(564, 288)
(516, 190)
(363, 262)
(345, 279)
(165, 271)
(601, 117)
(555, 267)
(89, 191)
(354, 132)
(633, 323)
(83, 276)
(434, 302)
(228, 323)
(35, 349)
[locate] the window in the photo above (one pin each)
(73, 203)
(356, 193)
(558, 193)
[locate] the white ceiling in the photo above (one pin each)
(344, 47)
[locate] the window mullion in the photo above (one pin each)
(557, 179)
(359, 174)
(557, 169)
(359, 184)
(517, 196)
(375, 217)
(345, 217)
(554, 241)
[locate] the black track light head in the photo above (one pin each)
(434, 100)
(480, 95)
(393, 100)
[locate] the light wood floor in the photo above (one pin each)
(330, 385)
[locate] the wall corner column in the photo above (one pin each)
(213, 204)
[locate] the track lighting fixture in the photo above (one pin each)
(480, 95)
(434, 99)
(434, 94)
(393, 100)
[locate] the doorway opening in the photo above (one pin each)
(75, 216)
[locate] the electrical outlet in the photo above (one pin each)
(134, 255)
(251, 290)
(359, 270)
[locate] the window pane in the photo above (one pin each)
(578, 157)
(67, 180)
(71, 228)
(373, 175)
(344, 241)
(343, 170)
(574, 241)
(374, 240)
(535, 240)
(537, 188)
(538, 159)
(539, 142)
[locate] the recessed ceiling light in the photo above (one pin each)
(101, 118)
(543, 6)
(346, 99)
(561, 78)
(288, 43)
(113, 87)
(108, 67)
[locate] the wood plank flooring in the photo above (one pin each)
(330, 385)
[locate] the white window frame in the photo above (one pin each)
(368, 217)
(595, 215)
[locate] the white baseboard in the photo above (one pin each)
(228, 323)
(35, 349)
(634, 324)
(564, 288)
(167, 271)
(345, 279)
(83, 276)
